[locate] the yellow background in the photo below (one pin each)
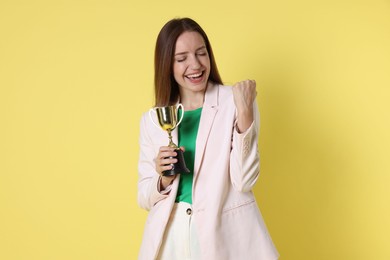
(75, 76)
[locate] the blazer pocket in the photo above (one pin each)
(238, 206)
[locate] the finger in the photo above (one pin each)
(169, 154)
(245, 83)
(168, 160)
(166, 149)
(165, 168)
(253, 83)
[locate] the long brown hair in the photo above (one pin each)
(166, 88)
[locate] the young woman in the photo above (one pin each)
(211, 212)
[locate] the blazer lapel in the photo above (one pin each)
(210, 109)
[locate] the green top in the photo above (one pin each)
(188, 130)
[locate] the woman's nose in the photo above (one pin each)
(195, 63)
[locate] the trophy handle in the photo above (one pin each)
(182, 113)
(151, 118)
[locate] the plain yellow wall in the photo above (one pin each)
(75, 76)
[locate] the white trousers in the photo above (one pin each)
(180, 241)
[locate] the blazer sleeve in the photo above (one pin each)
(244, 157)
(148, 178)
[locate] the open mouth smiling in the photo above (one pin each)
(195, 76)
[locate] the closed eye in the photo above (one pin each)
(181, 59)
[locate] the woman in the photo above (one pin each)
(210, 213)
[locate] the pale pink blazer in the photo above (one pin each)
(229, 223)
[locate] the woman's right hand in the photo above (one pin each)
(165, 158)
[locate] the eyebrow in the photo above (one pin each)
(185, 52)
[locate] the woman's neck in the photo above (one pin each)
(192, 101)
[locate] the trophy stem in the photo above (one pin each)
(171, 143)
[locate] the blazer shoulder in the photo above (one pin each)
(225, 94)
(225, 89)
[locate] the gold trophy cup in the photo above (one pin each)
(167, 121)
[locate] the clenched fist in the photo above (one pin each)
(244, 93)
(164, 160)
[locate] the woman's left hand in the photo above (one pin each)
(244, 93)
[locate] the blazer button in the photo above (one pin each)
(189, 211)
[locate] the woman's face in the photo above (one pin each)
(191, 65)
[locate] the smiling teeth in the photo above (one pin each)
(195, 75)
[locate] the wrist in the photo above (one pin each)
(165, 182)
(244, 121)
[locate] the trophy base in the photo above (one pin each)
(179, 167)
